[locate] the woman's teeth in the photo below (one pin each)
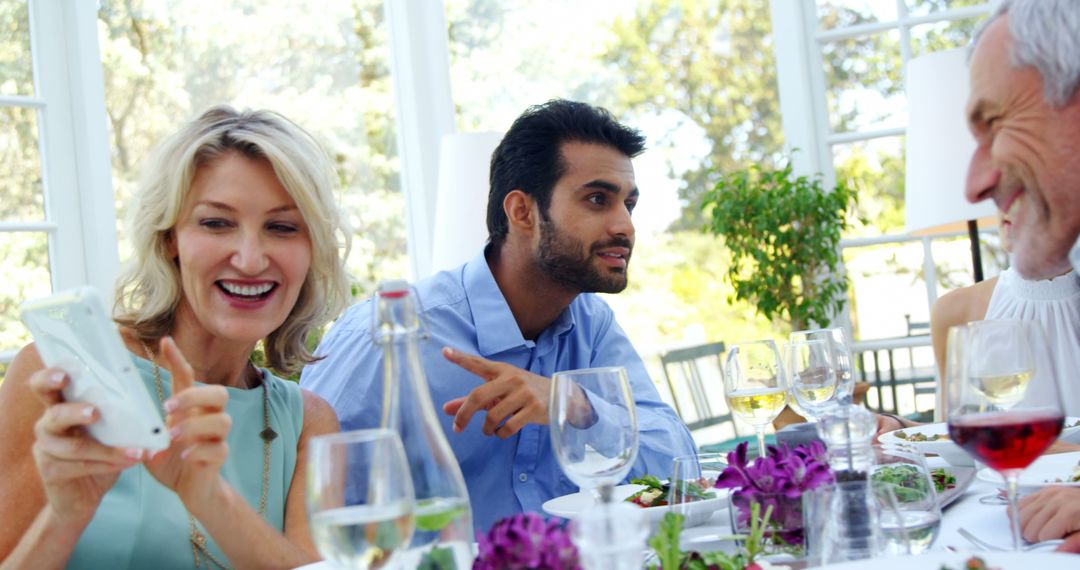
(246, 290)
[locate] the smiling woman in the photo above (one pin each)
(241, 244)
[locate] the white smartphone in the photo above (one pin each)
(73, 332)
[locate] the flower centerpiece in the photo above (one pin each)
(775, 483)
(526, 540)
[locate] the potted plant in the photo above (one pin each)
(783, 232)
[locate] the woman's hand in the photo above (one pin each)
(1051, 512)
(76, 470)
(198, 426)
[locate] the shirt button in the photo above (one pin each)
(523, 477)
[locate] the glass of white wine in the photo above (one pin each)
(360, 498)
(813, 381)
(754, 385)
(841, 354)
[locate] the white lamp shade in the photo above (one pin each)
(939, 147)
(461, 205)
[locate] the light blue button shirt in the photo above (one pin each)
(465, 310)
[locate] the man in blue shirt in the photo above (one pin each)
(560, 229)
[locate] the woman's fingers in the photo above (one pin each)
(59, 433)
(210, 427)
(183, 376)
(47, 384)
(207, 453)
(207, 399)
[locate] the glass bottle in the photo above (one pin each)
(443, 536)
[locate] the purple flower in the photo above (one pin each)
(779, 480)
(526, 540)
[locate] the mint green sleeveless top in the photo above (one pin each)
(142, 524)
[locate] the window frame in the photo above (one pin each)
(73, 145)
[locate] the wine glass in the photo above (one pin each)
(812, 376)
(593, 424)
(1004, 399)
(754, 385)
(910, 514)
(360, 497)
(842, 361)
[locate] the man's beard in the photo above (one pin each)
(561, 259)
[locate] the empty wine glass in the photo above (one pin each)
(842, 360)
(1004, 399)
(360, 497)
(812, 376)
(910, 515)
(593, 424)
(754, 385)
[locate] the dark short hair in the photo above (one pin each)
(529, 158)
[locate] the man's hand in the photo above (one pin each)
(509, 393)
(1051, 512)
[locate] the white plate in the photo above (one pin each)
(1042, 472)
(949, 451)
(955, 561)
(568, 506)
(964, 477)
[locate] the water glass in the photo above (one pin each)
(907, 499)
(693, 480)
(360, 497)
(593, 424)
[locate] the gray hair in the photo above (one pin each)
(1046, 36)
(148, 290)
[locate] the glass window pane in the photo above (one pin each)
(937, 36)
(324, 65)
(864, 86)
(844, 13)
(21, 196)
(923, 7)
(876, 169)
(16, 67)
(886, 283)
(26, 276)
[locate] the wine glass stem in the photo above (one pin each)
(604, 491)
(760, 440)
(1014, 509)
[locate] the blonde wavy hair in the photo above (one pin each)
(148, 289)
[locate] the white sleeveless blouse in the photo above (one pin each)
(1056, 304)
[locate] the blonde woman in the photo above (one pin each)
(239, 242)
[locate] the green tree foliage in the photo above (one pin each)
(24, 254)
(323, 65)
(783, 233)
(712, 63)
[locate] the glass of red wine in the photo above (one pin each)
(1004, 407)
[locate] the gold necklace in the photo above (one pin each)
(197, 538)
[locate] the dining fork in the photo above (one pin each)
(987, 546)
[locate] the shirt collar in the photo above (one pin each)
(496, 329)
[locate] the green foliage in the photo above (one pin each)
(666, 542)
(709, 65)
(671, 557)
(783, 233)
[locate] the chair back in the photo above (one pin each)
(695, 378)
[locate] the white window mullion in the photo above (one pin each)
(74, 144)
(420, 69)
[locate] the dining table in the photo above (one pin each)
(988, 522)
